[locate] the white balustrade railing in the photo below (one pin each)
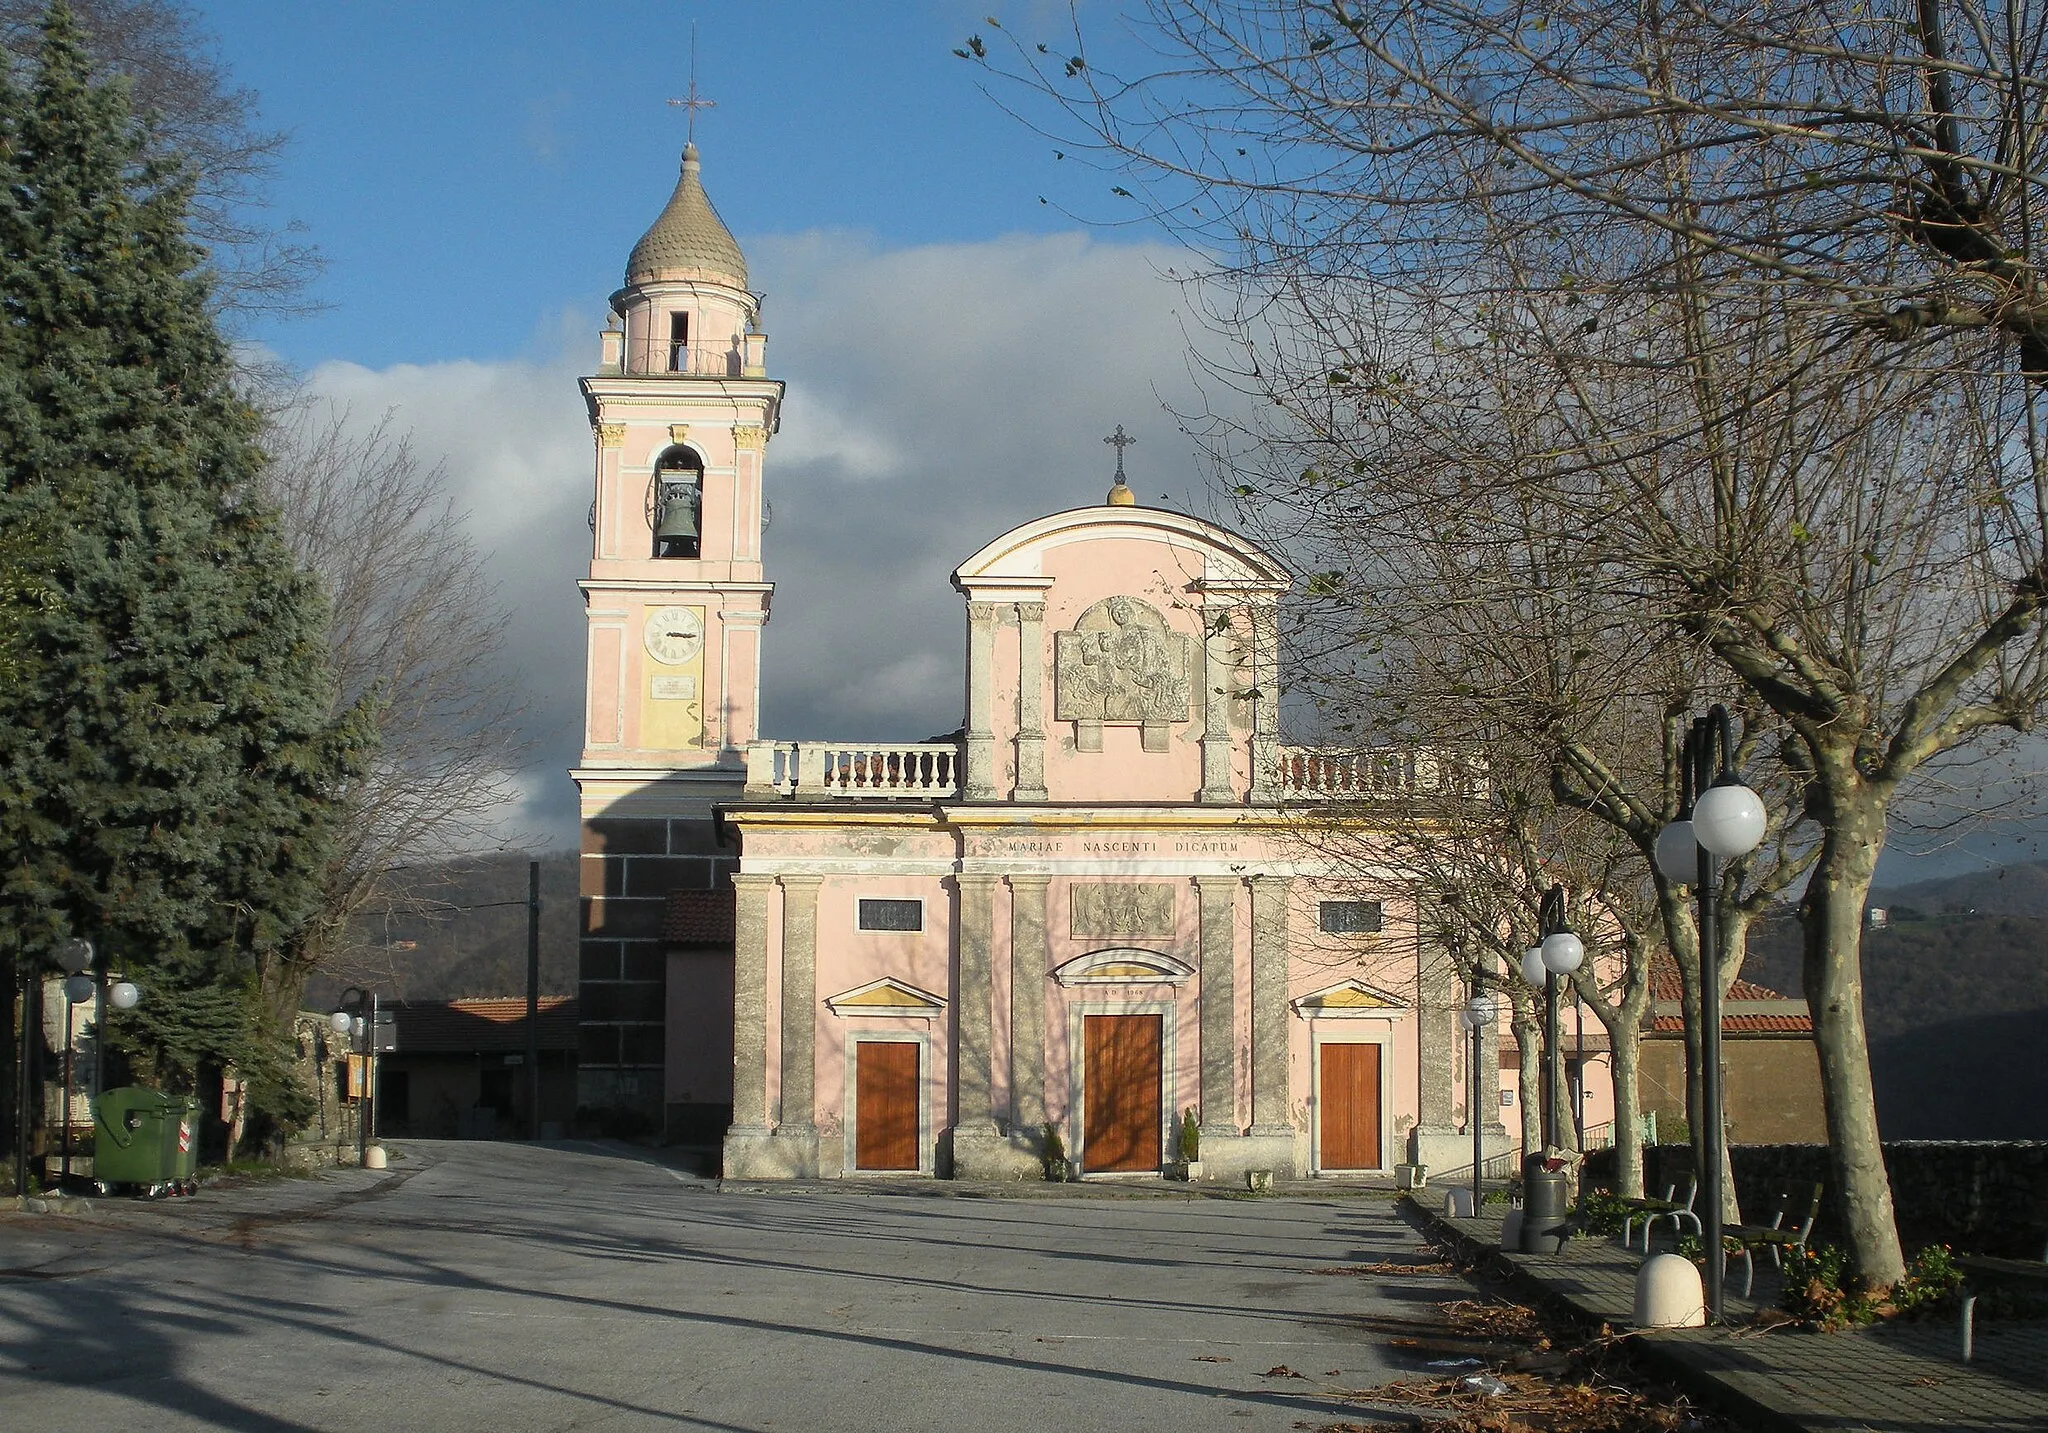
(879, 771)
(1306, 773)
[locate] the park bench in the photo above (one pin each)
(1979, 1271)
(1649, 1211)
(1794, 1207)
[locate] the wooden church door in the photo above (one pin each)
(1121, 1092)
(1350, 1098)
(885, 1104)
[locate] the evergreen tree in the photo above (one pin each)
(169, 765)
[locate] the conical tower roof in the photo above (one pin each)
(688, 240)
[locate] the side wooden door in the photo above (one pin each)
(885, 1104)
(1350, 1131)
(1120, 1086)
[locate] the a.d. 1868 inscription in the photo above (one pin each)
(1121, 663)
(1122, 908)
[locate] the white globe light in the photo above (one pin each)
(1533, 969)
(1482, 1009)
(125, 995)
(76, 955)
(339, 1022)
(1678, 853)
(1729, 820)
(1562, 952)
(78, 989)
(1464, 1018)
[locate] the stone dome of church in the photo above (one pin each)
(688, 240)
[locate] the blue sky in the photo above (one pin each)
(465, 165)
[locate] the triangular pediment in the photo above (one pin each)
(886, 997)
(1123, 965)
(1353, 998)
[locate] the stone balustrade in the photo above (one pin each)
(867, 771)
(1307, 773)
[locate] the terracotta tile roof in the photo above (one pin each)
(445, 1027)
(1744, 1024)
(1666, 985)
(699, 918)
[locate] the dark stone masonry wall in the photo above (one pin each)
(1981, 1197)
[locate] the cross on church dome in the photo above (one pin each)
(1120, 495)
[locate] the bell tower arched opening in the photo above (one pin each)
(676, 502)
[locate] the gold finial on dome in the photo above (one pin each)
(1120, 495)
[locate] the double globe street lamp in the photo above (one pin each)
(1543, 1190)
(356, 1017)
(1718, 818)
(1477, 1016)
(87, 981)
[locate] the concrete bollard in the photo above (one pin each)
(373, 1157)
(1669, 1294)
(1457, 1203)
(1511, 1231)
(1259, 1181)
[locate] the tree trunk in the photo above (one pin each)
(1624, 1039)
(1529, 1045)
(1832, 914)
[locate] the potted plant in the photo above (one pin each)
(1187, 1163)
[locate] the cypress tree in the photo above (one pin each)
(168, 760)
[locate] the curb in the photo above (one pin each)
(1661, 1352)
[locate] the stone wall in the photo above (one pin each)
(1981, 1197)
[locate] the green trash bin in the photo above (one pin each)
(145, 1139)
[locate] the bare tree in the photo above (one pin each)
(196, 111)
(418, 629)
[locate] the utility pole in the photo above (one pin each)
(533, 998)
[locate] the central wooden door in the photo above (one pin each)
(1350, 1107)
(885, 1104)
(1121, 1092)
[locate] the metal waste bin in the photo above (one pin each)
(145, 1139)
(1546, 1206)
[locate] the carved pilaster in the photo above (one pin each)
(982, 618)
(975, 1004)
(1028, 964)
(1217, 899)
(751, 895)
(1437, 996)
(1218, 663)
(799, 1002)
(1265, 620)
(1269, 1005)
(1030, 701)
(611, 435)
(749, 437)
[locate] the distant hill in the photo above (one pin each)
(458, 928)
(1955, 1000)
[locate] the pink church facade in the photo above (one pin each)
(1088, 914)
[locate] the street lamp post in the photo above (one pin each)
(1559, 954)
(1718, 817)
(356, 1016)
(1477, 1016)
(79, 987)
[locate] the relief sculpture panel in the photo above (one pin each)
(1105, 909)
(1121, 663)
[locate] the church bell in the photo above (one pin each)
(675, 518)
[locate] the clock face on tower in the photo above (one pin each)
(674, 635)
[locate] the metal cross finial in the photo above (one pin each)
(692, 101)
(1120, 442)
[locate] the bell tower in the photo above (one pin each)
(681, 410)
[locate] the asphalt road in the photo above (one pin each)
(502, 1287)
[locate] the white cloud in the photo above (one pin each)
(937, 396)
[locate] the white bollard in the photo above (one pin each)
(1457, 1203)
(1669, 1294)
(373, 1157)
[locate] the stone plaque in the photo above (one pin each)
(1121, 663)
(1122, 908)
(675, 689)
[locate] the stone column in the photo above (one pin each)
(1217, 668)
(796, 1131)
(1027, 1009)
(1217, 900)
(1271, 1143)
(1030, 701)
(747, 1154)
(1265, 619)
(1437, 997)
(981, 741)
(978, 1151)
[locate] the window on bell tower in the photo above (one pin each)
(679, 343)
(675, 503)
